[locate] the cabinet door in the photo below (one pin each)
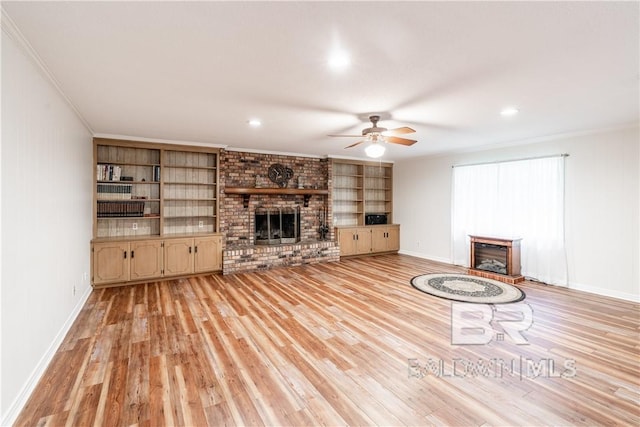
(178, 257)
(146, 260)
(393, 238)
(379, 239)
(347, 241)
(110, 262)
(207, 254)
(364, 240)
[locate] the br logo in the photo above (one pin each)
(481, 323)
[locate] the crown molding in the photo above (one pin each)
(359, 159)
(158, 140)
(275, 153)
(11, 30)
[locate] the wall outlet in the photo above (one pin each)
(135, 226)
(73, 291)
(201, 224)
(85, 278)
(417, 243)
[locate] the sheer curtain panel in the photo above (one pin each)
(521, 198)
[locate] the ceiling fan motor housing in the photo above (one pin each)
(374, 128)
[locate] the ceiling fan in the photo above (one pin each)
(378, 135)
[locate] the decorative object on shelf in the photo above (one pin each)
(280, 174)
(258, 181)
(300, 182)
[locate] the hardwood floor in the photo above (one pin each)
(343, 343)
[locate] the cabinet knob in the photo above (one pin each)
(125, 254)
(189, 249)
(131, 254)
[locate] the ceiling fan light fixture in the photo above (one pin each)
(375, 150)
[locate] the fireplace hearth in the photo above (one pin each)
(277, 226)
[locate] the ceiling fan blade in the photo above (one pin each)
(399, 131)
(347, 136)
(401, 141)
(353, 145)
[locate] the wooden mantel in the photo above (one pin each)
(246, 192)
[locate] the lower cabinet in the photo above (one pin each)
(188, 256)
(368, 239)
(110, 262)
(354, 240)
(134, 261)
(385, 239)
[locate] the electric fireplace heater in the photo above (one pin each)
(496, 258)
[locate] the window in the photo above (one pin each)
(521, 198)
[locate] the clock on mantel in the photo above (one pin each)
(280, 174)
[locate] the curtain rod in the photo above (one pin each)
(512, 160)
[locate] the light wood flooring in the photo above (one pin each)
(330, 344)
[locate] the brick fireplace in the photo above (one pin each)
(238, 223)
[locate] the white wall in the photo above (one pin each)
(46, 185)
(602, 206)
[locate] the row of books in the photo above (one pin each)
(112, 209)
(108, 172)
(114, 173)
(114, 191)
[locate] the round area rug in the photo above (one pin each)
(466, 288)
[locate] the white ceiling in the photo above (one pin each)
(198, 71)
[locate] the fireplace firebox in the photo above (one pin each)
(276, 226)
(496, 258)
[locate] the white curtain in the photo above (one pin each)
(523, 198)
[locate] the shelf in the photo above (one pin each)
(189, 200)
(189, 216)
(129, 217)
(127, 200)
(246, 192)
(211, 168)
(128, 164)
(189, 183)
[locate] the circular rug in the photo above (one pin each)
(466, 288)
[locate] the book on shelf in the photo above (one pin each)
(108, 172)
(115, 209)
(156, 173)
(114, 191)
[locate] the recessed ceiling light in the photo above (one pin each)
(509, 111)
(254, 123)
(339, 60)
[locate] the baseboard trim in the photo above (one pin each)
(18, 403)
(425, 256)
(604, 292)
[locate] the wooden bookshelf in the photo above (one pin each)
(361, 188)
(153, 192)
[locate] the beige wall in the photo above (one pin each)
(602, 206)
(46, 223)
